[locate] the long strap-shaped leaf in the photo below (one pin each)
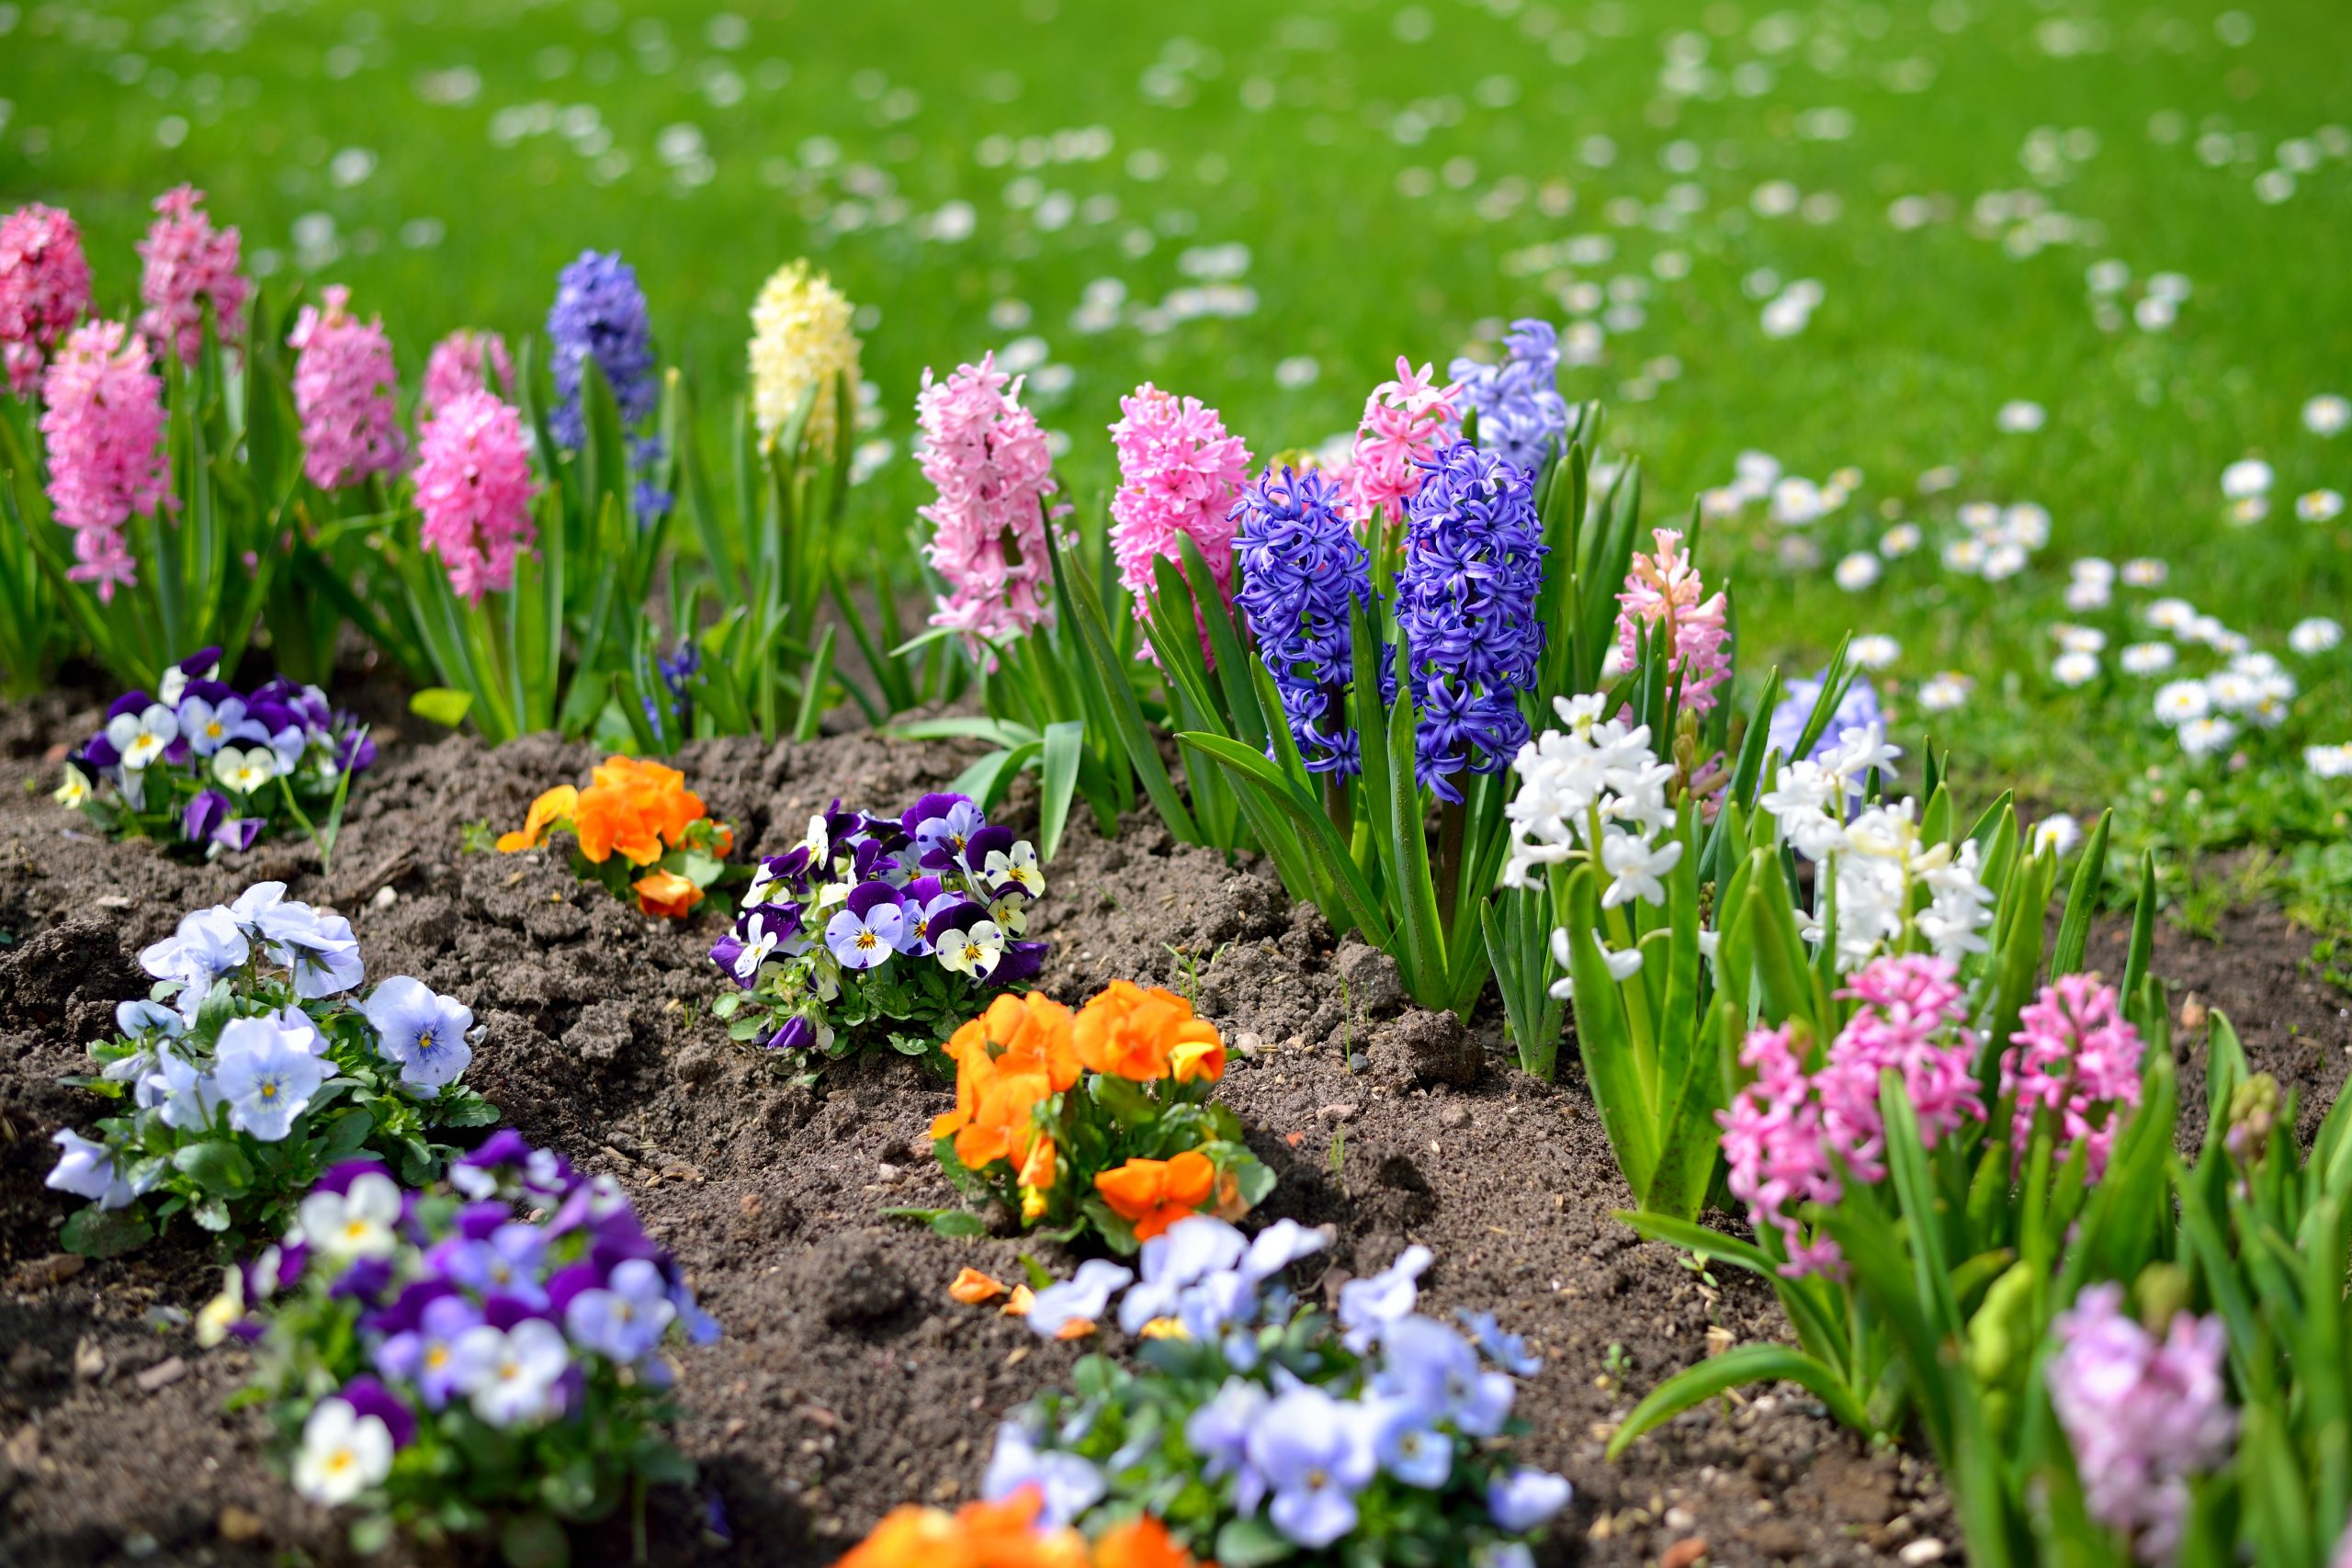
(1741, 1364)
(1119, 696)
(1333, 864)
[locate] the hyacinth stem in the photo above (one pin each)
(1453, 818)
(1336, 802)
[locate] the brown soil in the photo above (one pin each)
(848, 1382)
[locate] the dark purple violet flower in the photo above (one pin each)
(367, 1397)
(986, 841)
(1022, 960)
(356, 752)
(569, 1281)
(338, 1177)
(505, 1146)
(478, 1221)
(364, 1281)
(202, 816)
(407, 1309)
(237, 834)
(797, 1034)
(131, 703)
(504, 1312)
(201, 664)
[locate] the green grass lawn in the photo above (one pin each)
(1265, 206)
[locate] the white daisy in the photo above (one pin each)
(2202, 737)
(2328, 415)
(1874, 651)
(1945, 691)
(2075, 669)
(2181, 702)
(2315, 636)
(2147, 658)
(2319, 505)
(1857, 571)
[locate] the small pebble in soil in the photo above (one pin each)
(240, 1525)
(1684, 1553)
(1926, 1549)
(1249, 1043)
(1338, 1114)
(386, 897)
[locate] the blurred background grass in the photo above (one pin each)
(1339, 181)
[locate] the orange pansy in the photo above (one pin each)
(658, 793)
(1142, 1542)
(666, 894)
(552, 807)
(1143, 1034)
(1153, 1194)
(606, 820)
(1014, 1056)
(971, 1287)
(977, 1535)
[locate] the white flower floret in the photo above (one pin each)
(1635, 867)
(1899, 540)
(355, 1223)
(2181, 702)
(2246, 478)
(2170, 614)
(2075, 667)
(2143, 571)
(1874, 651)
(1945, 691)
(343, 1453)
(2328, 415)
(2201, 737)
(2058, 834)
(2317, 634)
(2319, 505)
(2329, 761)
(1857, 571)
(2147, 658)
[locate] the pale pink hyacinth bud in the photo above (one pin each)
(2076, 1057)
(473, 492)
(344, 382)
(44, 288)
(987, 455)
(2142, 1414)
(1406, 423)
(187, 261)
(464, 362)
(103, 428)
(1180, 475)
(1663, 592)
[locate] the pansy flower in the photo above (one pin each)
(1015, 869)
(865, 931)
(942, 826)
(974, 948)
(141, 739)
(424, 1032)
(208, 725)
(244, 769)
(1153, 1194)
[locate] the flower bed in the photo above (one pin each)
(848, 1379)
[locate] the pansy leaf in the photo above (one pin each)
(102, 1233)
(219, 1166)
(1248, 1542)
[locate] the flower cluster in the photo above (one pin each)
(465, 361)
(986, 456)
(1466, 595)
(635, 815)
(1792, 1137)
(1876, 858)
(1597, 777)
(1521, 412)
(249, 1068)
(1406, 423)
(801, 339)
(600, 314)
(1304, 571)
(1372, 1437)
(1008, 1535)
(449, 1359)
(186, 263)
(2077, 1058)
(343, 386)
(474, 491)
(1180, 475)
(102, 429)
(1856, 714)
(811, 951)
(2143, 1415)
(195, 763)
(44, 287)
(1098, 1118)
(1665, 596)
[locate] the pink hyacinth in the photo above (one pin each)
(2076, 1057)
(1180, 475)
(456, 364)
(473, 490)
(1773, 1143)
(1665, 592)
(2142, 1414)
(1405, 421)
(988, 458)
(104, 430)
(344, 383)
(44, 286)
(1787, 1134)
(188, 262)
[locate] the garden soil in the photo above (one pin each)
(848, 1382)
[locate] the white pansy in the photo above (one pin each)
(342, 1454)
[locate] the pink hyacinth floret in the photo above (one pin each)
(473, 492)
(344, 382)
(2076, 1057)
(187, 261)
(457, 367)
(1406, 421)
(1774, 1146)
(1663, 592)
(2142, 1414)
(44, 288)
(1787, 1136)
(103, 428)
(1180, 475)
(987, 455)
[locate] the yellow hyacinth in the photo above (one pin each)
(800, 337)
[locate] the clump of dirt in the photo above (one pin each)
(848, 1382)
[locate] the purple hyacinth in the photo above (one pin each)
(600, 313)
(1857, 710)
(1466, 607)
(1303, 569)
(1520, 411)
